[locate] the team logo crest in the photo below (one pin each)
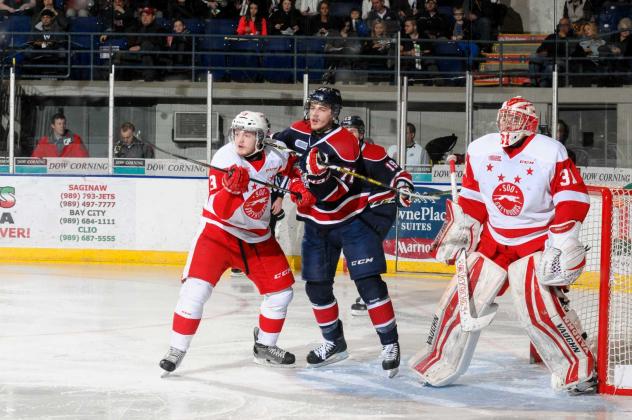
(7, 197)
(257, 203)
(508, 199)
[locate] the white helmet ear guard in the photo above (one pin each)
(251, 121)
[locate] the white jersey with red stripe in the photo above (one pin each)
(245, 216)
(519, 192)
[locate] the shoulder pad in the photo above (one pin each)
(373, 152)
(345, 145)
(302, 126)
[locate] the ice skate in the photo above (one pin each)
(327, 353)
(586, 387)
(390, 359)
(172, 360)
(271, 355)
(359, 308)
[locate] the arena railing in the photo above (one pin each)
(282, 59)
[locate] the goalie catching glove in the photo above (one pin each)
(564, 256)
(459, 231)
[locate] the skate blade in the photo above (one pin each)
(165, 374)
(263, 362)
(336, 358)
(356, 312)
(392, 372)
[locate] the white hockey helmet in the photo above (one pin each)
(516, 120)
(251, 121)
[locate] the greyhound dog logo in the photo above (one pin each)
(508, 199)
(257, 203)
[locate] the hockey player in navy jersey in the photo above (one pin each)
(382, 209)
(333, 225)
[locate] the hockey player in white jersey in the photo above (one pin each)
(235, 232)
(518, 217)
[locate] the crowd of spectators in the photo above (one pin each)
(425, 27)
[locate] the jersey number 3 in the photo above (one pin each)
(567, 178)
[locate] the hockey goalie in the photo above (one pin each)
(518, 219)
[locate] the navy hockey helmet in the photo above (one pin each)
(353, 121)
(327, 96)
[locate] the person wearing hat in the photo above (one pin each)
(147, 45)
(60, 17)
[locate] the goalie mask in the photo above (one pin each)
(516, 120)
(251, 121)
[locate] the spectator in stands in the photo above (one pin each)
(480, 14)
(129, 146)
(321, 24)
(433, 24)
(308, 8)
(60, 16)
(380, 11)
(185, 9)
(216, 9)
(578, 11)
(61, 142)
(252, 23)
(588, 51)
(621, 48)
(407, 8)
(415, 153)
(180, 42)
(562, 133)
(286, 20)
(357, 27)
(46, 47)
(147, 45)
(413, 46)
(367, 6)
(118, 17)
(379, 48)
(15, 6)
(554, 47)
(79, 8)
(461, 28)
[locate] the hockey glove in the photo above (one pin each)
(236, 180)
(459, 230)
(564, 256)
(316, 166)
(300, 195)
(404, 199)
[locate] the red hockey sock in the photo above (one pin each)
(381, 313)
(327, 314)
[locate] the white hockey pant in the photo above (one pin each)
(449, 349)
(555, 331)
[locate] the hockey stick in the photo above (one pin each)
(206, 165)
(423, 198)
(468, 322)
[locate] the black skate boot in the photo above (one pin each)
(172, 359)
(359, 308)
(271, 355)
(390, 362)
(328, 352)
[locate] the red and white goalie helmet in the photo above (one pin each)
(252, 121)
(516, 119)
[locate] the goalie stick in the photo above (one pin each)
(468, 322)
(423, 198)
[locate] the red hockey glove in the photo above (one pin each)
(301, 195)
(317, 171)
(236, 180)
(405, 200)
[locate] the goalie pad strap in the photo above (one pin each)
(449, 349)
(554, 331)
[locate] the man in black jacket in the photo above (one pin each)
(147, 43)
(130, 147)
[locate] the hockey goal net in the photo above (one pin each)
(602, 296)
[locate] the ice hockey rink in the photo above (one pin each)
(84, 341)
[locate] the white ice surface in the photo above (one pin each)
(84, 341)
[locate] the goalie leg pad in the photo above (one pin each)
(555, 331)
(449, 349)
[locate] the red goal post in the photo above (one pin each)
(602, 296)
